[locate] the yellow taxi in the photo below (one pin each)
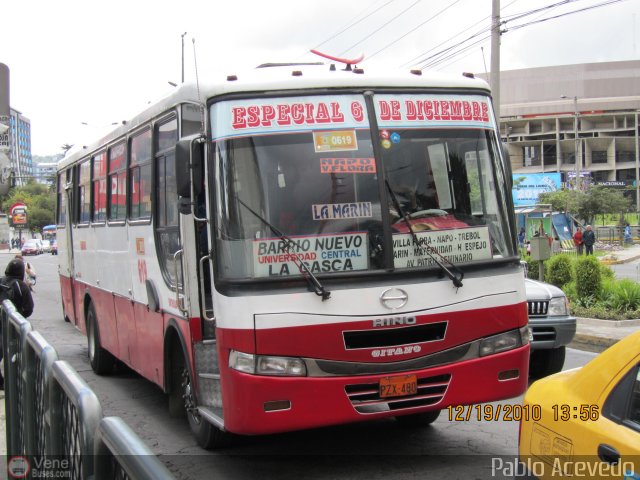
(585, 423)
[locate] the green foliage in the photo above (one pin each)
(559, 270)
(606, 271)
(624, 296)
(40, 201)
(533, 268)
(597, 200)
(563, 200)
(612, 300)
(600, 200)
(588, 278)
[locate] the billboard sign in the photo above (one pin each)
(527, 187)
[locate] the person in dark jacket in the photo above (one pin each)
(20, 294)
(588, 238)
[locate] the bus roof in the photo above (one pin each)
(278, 78)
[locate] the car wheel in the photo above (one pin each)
(546, 362)
(102, 362)
(418, 419)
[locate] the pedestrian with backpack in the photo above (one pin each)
(13, 287)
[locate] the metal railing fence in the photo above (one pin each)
(52, 414)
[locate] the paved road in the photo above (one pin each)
(628, 270)
(380, 449)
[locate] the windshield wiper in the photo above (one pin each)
(314, 284)
(456, 277)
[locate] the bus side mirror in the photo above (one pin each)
(189, 160)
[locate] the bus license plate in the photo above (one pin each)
(398, 386)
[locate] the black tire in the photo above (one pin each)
(102, 362)
(546, 362)
(418, 419)
(182, 403)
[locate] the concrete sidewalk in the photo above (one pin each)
(598, 335)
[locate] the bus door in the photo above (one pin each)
(66, 256)
(195, 229)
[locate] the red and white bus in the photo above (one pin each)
(300, 246)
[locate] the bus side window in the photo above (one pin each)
(166, 205)
(117, 181)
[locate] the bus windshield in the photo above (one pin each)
(317, 181)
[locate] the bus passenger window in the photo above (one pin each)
(84, 192)
(100, 187)
(140, 175)
(117, 204)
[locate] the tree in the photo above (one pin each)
(40, 201)
(563, 200)
(596, 200)
(600, 200)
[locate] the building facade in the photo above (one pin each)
(20, 148)
(45, 173)
(578, 120)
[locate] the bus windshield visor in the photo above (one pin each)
(297, 180)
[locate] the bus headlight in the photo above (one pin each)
(284, 366)
(267, 365)
(503, 342)
(558, 306)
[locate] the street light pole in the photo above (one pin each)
(182, 38)
(576, 147)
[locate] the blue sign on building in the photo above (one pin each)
(527, 187)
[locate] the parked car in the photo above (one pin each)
(552, 327)
(586, 418)
(54, 247)
(46, 246)
(32, 246)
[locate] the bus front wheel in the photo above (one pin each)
(182, 401)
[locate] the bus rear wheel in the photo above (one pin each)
(182, 401)
(101, 360)
(418, 419)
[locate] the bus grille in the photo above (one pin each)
(365, 397)
(538, 308)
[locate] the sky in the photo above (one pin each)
(78, 66)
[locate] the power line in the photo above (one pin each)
(381, 27)
(353, 24)
(436, 61)
(442, 56)
(415, 28)
(415, 59)
(592, 7)
(516, 16)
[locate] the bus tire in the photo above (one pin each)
(546, 362)
(418, 419)
(182, 402)
(101, 360)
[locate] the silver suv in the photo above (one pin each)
(552, 327)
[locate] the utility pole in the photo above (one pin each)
(576, 147)
(182, 38)
(495, 57)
